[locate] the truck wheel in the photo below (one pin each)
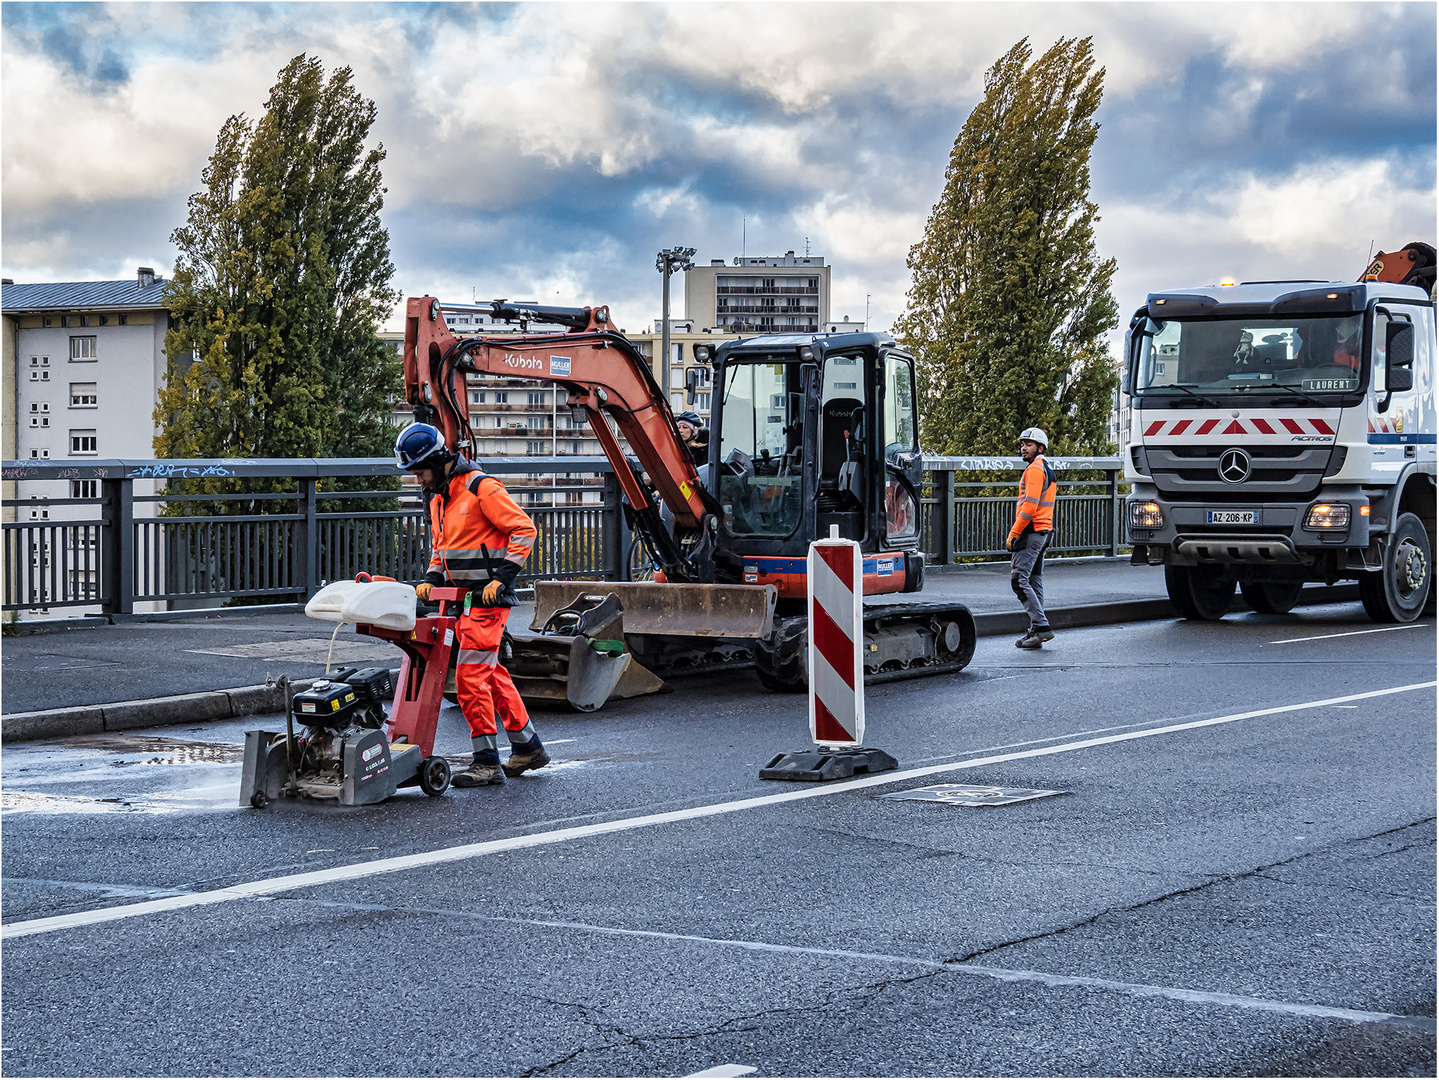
(1401, 588)
(1199, 592)
(779, 660)
(1271, 597)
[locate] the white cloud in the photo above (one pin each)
(1315, 222)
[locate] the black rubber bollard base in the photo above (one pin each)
(827, 763)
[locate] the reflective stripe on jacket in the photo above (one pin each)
(479, 533)
(1037, 490)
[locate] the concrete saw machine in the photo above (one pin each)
(347, 748)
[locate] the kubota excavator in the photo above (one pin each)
(807, 433)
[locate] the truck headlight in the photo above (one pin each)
(1328, 516)
(1146, 515)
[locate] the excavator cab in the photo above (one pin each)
(809, 433)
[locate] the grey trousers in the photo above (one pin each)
(1026, 576)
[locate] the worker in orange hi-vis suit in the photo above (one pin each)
(1030, 535)
(481, 540)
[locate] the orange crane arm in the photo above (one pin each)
(603, 372)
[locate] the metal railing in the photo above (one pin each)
(118, 548)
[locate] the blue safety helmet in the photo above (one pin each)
(421, 445)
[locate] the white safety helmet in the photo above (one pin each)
(1034, 434)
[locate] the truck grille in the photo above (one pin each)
(1183, 472)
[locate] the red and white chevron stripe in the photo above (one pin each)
(1378, 424)
(1292, 425)
(836, 643)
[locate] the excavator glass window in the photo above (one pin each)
(761, 449)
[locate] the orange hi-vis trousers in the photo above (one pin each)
(484, 687)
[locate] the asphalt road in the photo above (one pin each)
(1239, 879)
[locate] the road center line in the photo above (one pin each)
(375, 867)
(1351, 633)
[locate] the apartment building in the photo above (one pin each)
(82, 360)
(785, 294)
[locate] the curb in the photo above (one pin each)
(147, 712)
(247, 700)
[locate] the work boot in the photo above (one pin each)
(531, 756)
(1036, 637)
(479, 774)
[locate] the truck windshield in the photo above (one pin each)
(1311, 356)
(761, 449)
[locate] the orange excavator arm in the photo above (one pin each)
(603, 373)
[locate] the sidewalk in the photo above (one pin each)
(140, 661)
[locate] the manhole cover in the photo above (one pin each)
(972, 795)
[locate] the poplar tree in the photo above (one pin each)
(1009, 301)
(280, 285)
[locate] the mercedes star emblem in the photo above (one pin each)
(1234, 466)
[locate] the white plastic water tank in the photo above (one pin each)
(390, 604)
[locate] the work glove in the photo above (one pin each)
(490, 594)
(423, 590)
(1009, 545)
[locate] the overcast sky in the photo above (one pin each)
(547, 151)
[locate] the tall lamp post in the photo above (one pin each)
(667, 262)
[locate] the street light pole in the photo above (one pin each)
(667, 262)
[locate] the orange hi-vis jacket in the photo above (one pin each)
(479, 533)
(1037, 489)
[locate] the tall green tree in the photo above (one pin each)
(1009, 301)
(282, 280)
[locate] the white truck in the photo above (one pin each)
(1284, 432)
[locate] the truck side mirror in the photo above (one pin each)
(1399, 356)
(692, 381)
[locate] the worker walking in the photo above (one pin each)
(1030, 535)
(481, 539)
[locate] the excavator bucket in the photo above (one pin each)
(699, 611)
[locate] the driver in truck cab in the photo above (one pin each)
(481, 540)
(1346, 343)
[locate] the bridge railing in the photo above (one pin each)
(109, 547)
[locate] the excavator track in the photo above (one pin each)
(902, 641)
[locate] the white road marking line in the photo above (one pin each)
(354, 871)
(1350, 633)
(725, 1070)
(1174, 993)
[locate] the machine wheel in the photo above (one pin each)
(1401, 588)
(1199, 592)
(434, 776)
(779, 660)
(1271, 597)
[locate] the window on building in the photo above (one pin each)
(39, 451)
(123, 320)
(535, 423)
(83, 395)
(39, 421)
(104, 320)
(82, 347)
(574, 447)
(47, 321)
(702, 402)
(83, 441)
(84, 489)
(502, 397)
(477, 397)
(64, 320)
(535, 446)
(535, 397)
